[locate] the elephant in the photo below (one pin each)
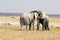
(42, 19)
(27, 19)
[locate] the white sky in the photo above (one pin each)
(20, 6)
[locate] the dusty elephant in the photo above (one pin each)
(43, 19)
(27, 19)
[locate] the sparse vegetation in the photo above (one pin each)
(6, 24)
(13, 32)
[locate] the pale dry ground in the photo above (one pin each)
(55, 19)
(12, 32)
(9, 18)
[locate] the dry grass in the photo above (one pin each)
(12, 32)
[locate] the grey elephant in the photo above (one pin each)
(43, 19)
(27, 19)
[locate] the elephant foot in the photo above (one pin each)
(42, 29)
(37, 28)
(48, 29)
(33, 27)
(45, 29)
(29, 28)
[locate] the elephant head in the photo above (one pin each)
(43, 19)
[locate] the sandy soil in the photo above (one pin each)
(13, 32)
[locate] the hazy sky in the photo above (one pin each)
(20, 6)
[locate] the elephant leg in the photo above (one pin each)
(48, 27)
(26, 27)
(38, 24)
(30, 26)
(21, 26)
(43, 27)
(45, 24)
(21, 23)
(37, 27)
(33, 26)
